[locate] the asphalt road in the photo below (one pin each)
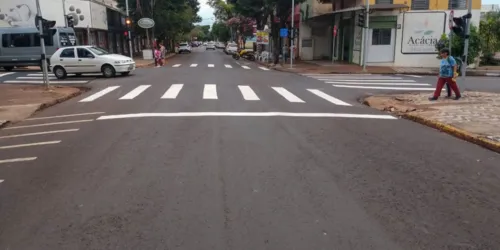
(238, 158)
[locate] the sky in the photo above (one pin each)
(490, 2)
(207, 13)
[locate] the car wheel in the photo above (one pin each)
(108, 71)
(125, 73)
(59, 72)
(8, 68)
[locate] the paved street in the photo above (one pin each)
(36, 77)
(239, 157)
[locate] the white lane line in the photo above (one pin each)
(416, 76)
(193, 65)
(47, 124)
(6, 74)
(63, 116)
(30, 144)
(173, 91)
(50, 74)
(287, 94)
(248, 93)
(99, 94)
(228, 66)
(371, 80)
(245, 67)
(210, 65)
(40, 133)
(263, 68)
(2, 181)
(381, 83)
(210, 91)
(391, 88)
(247, 114)
(17, 160)
(176, 65)
(336, 74)
(328, 97)
(135, 92)
(356, 78)
(40, 82)
(34, 77)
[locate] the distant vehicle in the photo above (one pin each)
(184, 47)
(220, 45)
(231, 48)
(89, 59)
(194, 45)
(211, 45)
(21, 46)
(205, 44)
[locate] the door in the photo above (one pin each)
(382, 45)
(69, 61)
(87, 61)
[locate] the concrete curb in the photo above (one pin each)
(153, 63)
(4, 123)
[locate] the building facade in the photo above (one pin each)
(97, 22)
(401, 33)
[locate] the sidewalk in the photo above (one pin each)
(474, 118)
(141, 63)
(324, 67)
(20, 102)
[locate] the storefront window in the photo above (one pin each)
(381, 36)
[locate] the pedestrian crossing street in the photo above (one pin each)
(209, 92)
(369, 81)
(226, 66)
(37, 78)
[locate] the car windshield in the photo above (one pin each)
(183, 44)
(98, 51)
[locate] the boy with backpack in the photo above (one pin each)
(447, 75)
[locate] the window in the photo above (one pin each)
(67, 39)
(20, 40)
(5, 40)
(47, 42)
(83, 53)
(381, 36)
(457, 4)
(68, 53)
(98, 51)
(383, 2)
(420, 4)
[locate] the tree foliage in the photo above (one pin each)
(457, 45)
(489, 28)
(220, 32)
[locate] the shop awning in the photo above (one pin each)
(328, 17)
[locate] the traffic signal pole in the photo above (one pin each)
(129, 33)
(367, 25)
(42, 44)
(466, 42)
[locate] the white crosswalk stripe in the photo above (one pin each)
(380, 82)
(228, 66)
(37, 78)
(135, 92)
(287, 94)
(173, 91)
(263, 68)
(386, 88)
(210, 91)
(245, 67)
(248, 93)
(210, 65)
(176, 65)
(193, 65)
(328, 97)
(99, 94)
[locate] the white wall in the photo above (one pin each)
(21, 13)
(99, 16)
(80, 10)
(322, 43)
(305, 53)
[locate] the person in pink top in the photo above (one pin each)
(158, 57)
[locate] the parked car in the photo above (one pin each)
(231, 48)
(211, 45)
(184, 47)
(89, 59)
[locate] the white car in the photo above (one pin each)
(211, 45)
(231, 48)
(89, 59)
(184, 47)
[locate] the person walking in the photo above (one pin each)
(163, 52)
(158, 58)
(447, 75)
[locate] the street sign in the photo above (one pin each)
(450, 19)
(146, 23)
(283, 32)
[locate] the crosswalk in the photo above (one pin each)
(210, 65)
(210, 92)
(369, 81)
(37, 78)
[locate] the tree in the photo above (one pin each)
(220, 31)
(489, 28)
(457, 45)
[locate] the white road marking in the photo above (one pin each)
(17, 160)
(99, 94)
(356, 78)
(176, 65)
(30, 144)
(63, 116)
(263, 68)
(40, 133)
(2, 181)
(336, 74)
(245, 67)
(40, 82)
(47, 124)
(210, 91)
(135, 92)
(328, 97)
(287, 94)
(247, 114)
(391, 88)
(35, 77)
(7, 73)
(412, 76)
(193, 65)
(248, 93)
(228, 66)
(381, 83)
(372, 80)
(50, 74)
(173, 91)
(210, 65)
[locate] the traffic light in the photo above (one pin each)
(47, 26)
(70, 21)
(361, 19)
(125, 33)
(460, 24)
(128, 22)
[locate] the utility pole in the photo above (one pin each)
(466, 43)
(367, 29)
(42, 44)
(129, 33)
(292, 35)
